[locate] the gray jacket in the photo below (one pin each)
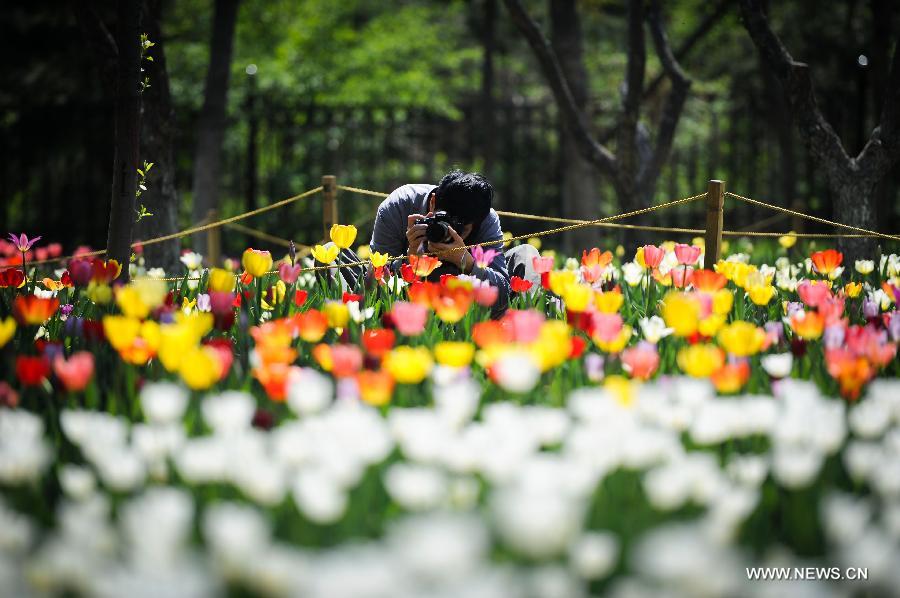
(389, 235)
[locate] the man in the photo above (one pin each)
(466, 197)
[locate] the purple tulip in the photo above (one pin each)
(870, 308)
(22, 242)
(221, 303)
(793, 307)
(775, 330)
(593, 366)
(894, 326)
(80, 271)
(833, 337)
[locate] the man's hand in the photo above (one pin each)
(415, 233)
(446, 253)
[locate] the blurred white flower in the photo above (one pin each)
(309, 392)
(163, 402)
(593, 555)
(415, 487)
(516, 371)
(654, 328)
(191, 260)
(229, 412)
(778, 365)
(318, 497)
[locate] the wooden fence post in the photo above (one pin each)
(329, 204)
(213, 240)
(715, 199)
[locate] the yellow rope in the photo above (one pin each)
(814, 218)
(543, 233)
(262, 235)
(362, 191)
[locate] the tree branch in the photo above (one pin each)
(575, 119)
(795, 79)
(705, 26)
(674, 104)
(634, 87)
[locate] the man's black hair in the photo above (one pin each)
(466, 195)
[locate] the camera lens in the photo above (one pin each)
(437, 232)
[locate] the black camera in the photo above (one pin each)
(438, 230)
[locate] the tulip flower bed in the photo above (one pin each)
(627, 426)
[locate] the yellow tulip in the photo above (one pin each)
(199, 368)
(534, 242)
(853, 289)
(121, 331)
(639, 258)
(700, 360)
(337, 313)
(742, 338)
(761, 295)
(723, 299)
(199, 323)
(99, 293)
(560, 280)
(710, 325)
(256, 262)
(343, 235)
(152, 291)
(681, 313)
(454, 354)
(326, 255)
(275, 295)
(408, 365)
(129, 301)
(621, 388)
(379, 259)
(787, 241)
(7, 330)
(553, 344)
(188, 304)
(175, 341)
(577, 296)
(221, 281)
(363, 252)
(609, 302)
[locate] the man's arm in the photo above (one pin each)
(389, 231)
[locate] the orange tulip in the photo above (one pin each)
(708, 281)
(375, 387)
(490, 332)
(826, 261)
(595, 258)
(34, 310)
(423, 265)
(311, 325)
(274, 378)
(731, 377)
(808, 324)
(451, 305)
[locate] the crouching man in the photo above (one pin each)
(420, 218)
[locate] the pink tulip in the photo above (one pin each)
(221, 303)
(607, 327)
(409, 318)
(289, 273)
(592, 274)
(542, 264)
(687, 254)
(641, 361)
(813, 294)
(76, 372)
(681, 277)
(524, 325)
(653, 255)
(483, 257)
(486, 295)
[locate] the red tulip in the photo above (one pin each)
(31, 370)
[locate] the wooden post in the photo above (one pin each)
(213, 240)
(329, 204)
(715, 199)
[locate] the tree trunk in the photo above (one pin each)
(854, 204)
(157, 134)
(211, 127)
(127, 135)
(488, 107)
(579, 186)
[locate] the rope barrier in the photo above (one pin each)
(814, 218)
(199, 227)
(667, 229)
